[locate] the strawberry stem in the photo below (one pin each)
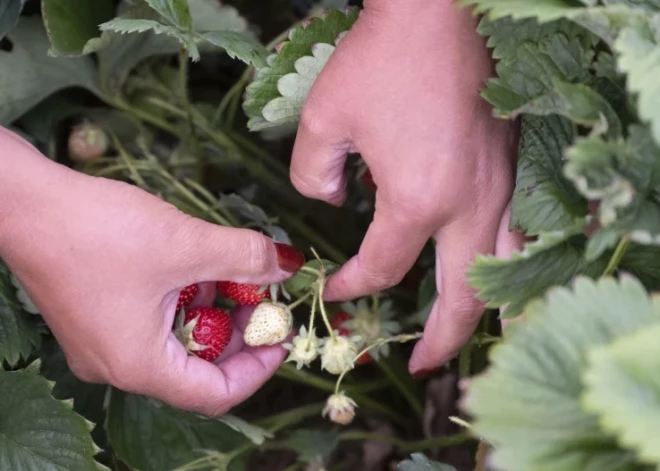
(311, 318)
(324, 314)
(298, 302)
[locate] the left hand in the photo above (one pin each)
(402, 89)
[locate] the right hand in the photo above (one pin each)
(104, 262)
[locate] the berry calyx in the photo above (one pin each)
(204, 331)
(338, 354)
(186, 296)
(304, 348)
(340, 408)
(336, 323)
(242, 293)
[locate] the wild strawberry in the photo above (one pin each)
(338, 354)
(87, 141)
(186, 296)
(243, 294)
(304, 348)
(270, 324)
(340, 408)
(336, 324)
(204, 331)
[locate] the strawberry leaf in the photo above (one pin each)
(238, 46)
(71, 24)
(10, 12)
(38, 431)
(419, 462)
(182, 437)
(28, 75)
(537, 375)
(312, 444)
(274, 98)
(622, 389)
(20, 332)
(542, 10)
(175, 11)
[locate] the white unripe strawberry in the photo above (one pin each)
(270, 324)
(338, 354)
(87, 142)
(304, 348)
(340, 408)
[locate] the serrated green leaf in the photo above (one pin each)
(176, 11)
(71, 24)
(239, 46)
(211, 15)
(303, 280)
(28, 75)
(578, 102)
(528, 403)
(553, 260)
(544, 200)
(20, 333)
(181, 437)
(10, 11)
(311, 444)
(38, 432)
(419, 462)
(542, 10)
(128, 25)
(264, 88)
(256, 435)
(638, 50)
(622, 387)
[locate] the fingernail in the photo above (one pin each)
(423, 374)
(289, 258)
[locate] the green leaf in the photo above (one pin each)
(254, 215)
(181, 437)
(553, 260)
(176, 11)
(20, 333)
(623, 388)
(10, 12)
(87, 399)
(543, 10)
(28, 75)
(38, 432)
(623, 175)
(239, 46)
(256, 435)
(71, 24)
(303, 280)
(311, 444)
(419, 462)
(273, 99)
(578, 102)
(128, 25)
(528, 404)
(211, 15)
(638, 51)
(544, 200)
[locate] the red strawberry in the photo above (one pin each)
(205, 332)
(338, 320)
(186, 296)
(243, 294)
(367, 180)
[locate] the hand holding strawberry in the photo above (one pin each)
(105, 263)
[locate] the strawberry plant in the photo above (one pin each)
(197, 101)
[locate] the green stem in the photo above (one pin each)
(405, 446)
(312, 315)
(617, 256)
(324, 314)
(410, 396)
(183, 91)
(213, 202)
(299, 301)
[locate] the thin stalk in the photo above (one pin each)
(213, 201)
(324, 314)
(299, 301)
(410, 396)
(405, 446)
(617, 256)
(315, 301)
(128, 160)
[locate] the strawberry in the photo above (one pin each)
(205, 331)
(243, 294)
(336, 323)
(186, 296)
(270, 324)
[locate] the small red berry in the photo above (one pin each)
(243, 294)
(186, 296)
(336, 322)
(206, 332)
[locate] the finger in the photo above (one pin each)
(507, 243)
(457, 311)
(205, 296)
(215, 253)
(389, 250)
(192, 384)
(241, 317)
(319, 156)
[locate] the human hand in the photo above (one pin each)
(104, 262)
(402, 89)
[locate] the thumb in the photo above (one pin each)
(217, 253)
